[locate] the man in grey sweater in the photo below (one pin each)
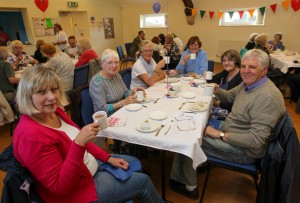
(243, 137)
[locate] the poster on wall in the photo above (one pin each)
(108, 25)
(44, 26)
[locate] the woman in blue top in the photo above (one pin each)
(188, 65)
(276, 43)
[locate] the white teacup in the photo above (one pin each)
(208, 75)
(176, 87)
(192, 56)
(140, 96)
(172, 93)
(101, 118)
(208, 90)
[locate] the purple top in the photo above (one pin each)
(256, 84)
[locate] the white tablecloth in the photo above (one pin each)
(283, 62)
(184, 142)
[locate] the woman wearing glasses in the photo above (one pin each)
(227, 79)
(107, 88)
(145, 71)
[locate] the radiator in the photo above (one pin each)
(224, 45)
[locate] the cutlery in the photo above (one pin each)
(168, 130)
(158, 99)
(161, 126)
(144, 106)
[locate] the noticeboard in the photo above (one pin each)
(44, 26)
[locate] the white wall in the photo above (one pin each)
(208, 30)
(96, 8)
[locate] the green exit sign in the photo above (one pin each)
(72, 4)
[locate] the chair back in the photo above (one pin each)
(81, 75)
(211, 65)
(94, 68)
(87, 107)
(127, 47)
(120, 52)
(126, 76)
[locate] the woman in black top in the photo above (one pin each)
(38, 55)
(251, 43)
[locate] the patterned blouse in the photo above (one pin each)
(27, 59)
(63, 65)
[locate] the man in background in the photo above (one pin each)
(61, 37)
(73, 49)
(135, 43)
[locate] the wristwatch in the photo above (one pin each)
(222, 134)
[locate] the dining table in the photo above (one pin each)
(285, 60)
(175, 125)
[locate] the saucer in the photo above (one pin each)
(188, 78)
(170, 80)
(188, 95)
(174, 96)
(158, 115)
(154, 127)
(198, 106)
(146, 100)
(199, 81)
(133, 107)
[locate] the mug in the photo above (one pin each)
(208, 75)
(176, 87)
(208, 90)
(139, 96)
(192, 56)
(101, 118)
(172, 93)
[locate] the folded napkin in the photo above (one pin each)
(119, 173)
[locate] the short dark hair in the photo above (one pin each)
(194, 39)
(278, 34)
(233, 55)
(140, 32)
(71, 37)
(58, 25)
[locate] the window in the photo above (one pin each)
(256, 20)
(158, 20)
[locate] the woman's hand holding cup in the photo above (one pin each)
(87, 134)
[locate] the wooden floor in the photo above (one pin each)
(223, 186)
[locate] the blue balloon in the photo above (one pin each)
(156, 7)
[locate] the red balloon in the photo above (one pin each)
(295, 4)
(41, 4)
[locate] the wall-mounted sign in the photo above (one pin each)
(72, 4)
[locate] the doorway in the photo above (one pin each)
(75, 23)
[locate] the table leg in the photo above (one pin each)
(163, 180)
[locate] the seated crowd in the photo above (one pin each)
(65, 163)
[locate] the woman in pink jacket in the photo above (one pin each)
(63, 160)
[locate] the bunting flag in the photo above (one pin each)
(273, 7)
(295, 4)
(202, 13)
(193, 12)
(220, 14)
(241, 13)
(262, 10)
(251, 11)
(231, 13)
(285, 4)
(211, 14)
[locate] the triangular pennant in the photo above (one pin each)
(193, 12)
(202, 13)
(273, 7)
(220, 14)
(241, 13)
(285, 4)
(211, 14)
(251, 11)
(231, 13)
(262, 10)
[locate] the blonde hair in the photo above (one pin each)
(34, 79)
(170, 35)
(252, 36)
(261, 39)
(49, 49)
(15, 43)
(85, 43)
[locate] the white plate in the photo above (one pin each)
(158, 115)
(198, 106)
(133, 107)
(188, 78)
(154, 127)
(199, 81)
(170, 80)
(188, 95)
(146, 100)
